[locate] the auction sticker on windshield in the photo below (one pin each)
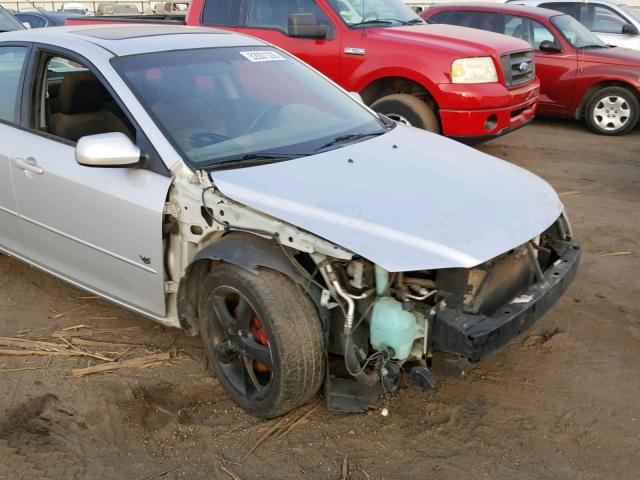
(262, 56)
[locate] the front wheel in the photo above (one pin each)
(263, 339)
(407, 109)
(612, 111)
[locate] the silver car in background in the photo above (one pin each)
(614, 23)
(216, 184)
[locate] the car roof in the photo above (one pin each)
(537, 2)
(131, 39)
(498, 7)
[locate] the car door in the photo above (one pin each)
(556, 70)
(12, 63)
(608, 24)
(100, 228)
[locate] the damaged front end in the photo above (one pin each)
(385, 321)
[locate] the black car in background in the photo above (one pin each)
(8, 22)
(39, 19)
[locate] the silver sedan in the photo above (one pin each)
(214, 183)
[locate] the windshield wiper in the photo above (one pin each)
(252, 160)
(415, 21)
(384, 21)
(343, 139)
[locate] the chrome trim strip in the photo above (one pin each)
(90, 245)
(10, 212)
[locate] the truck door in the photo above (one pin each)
(269, 21)
(99, 228)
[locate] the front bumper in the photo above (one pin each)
(474, 115)
(477, 336)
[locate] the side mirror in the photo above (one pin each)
(305, 25)
(550, 47)
(113, 149)
(628, 29)
(357, 97)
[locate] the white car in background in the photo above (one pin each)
(615, 24)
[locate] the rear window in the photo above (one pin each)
(221, 12)
(490, 21)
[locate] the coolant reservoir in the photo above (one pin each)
(391, 326)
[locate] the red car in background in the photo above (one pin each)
(580, 75)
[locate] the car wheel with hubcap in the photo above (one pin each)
(612, 111)
(407, 109)
(263, 338)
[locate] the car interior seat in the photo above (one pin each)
(81, 109)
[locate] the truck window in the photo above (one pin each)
(225, 13)
(274, 14)
(602, 19)
(570, 8)
(492, 22)
(11, 63)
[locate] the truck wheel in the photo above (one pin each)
(612, 111)
(409, 110)
(262, 337)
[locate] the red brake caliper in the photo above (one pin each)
(260, 336)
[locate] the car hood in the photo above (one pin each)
(406, 200)
(613, 56)
(463, 41)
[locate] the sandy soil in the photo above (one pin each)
(561, 402)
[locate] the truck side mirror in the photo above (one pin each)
(549, 46)
(628, 29)
(305, 25)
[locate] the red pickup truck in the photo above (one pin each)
(461, 82)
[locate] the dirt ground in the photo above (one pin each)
(560, 403)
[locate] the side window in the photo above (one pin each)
(274, 14)
(12, 61)
(569, 8)
(528, 30)
(602, 19)
(73, 103)
(441, 17)
(518, 27)
(489, 21)
(226, 13)
(33, 21)
(540, 34)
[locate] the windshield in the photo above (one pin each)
(575, 33)
(223, 105)
(375, 12)
(635, 14)
(8, 22)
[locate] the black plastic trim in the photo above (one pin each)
(478, 336)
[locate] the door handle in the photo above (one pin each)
(28, 165)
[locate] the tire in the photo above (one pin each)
(612, 111)
(270, 367)
(408, 109)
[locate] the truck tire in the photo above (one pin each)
(263, 339)
(612, 111)
(405, 108)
